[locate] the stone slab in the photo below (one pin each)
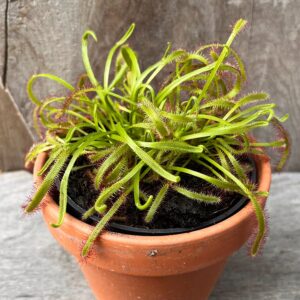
(33, 266)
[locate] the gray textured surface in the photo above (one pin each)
(44, 36)
(15, 137)
(33, 266)
(2, 36)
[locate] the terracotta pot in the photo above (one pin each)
(182, 266)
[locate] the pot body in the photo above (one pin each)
(172, 267)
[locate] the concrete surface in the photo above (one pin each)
(33, 266)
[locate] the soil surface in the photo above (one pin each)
(176, 211)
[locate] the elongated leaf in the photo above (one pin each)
(132, 62)
(169, 88)
(36, 149)
(256, 205)
(136, 191)
(112, 159)
(100, 226)
(245, 100)
(85, 57)
(154, 115)
(237, 167)
(33, 78)
(112, 52)
(52, 157)
(195, 195)
(212, 180)
(117, 171)
(145, 157)
(156, 203)
(176, 146)
(100, 201)
(63, 191)
(236, 29)
(48, 181)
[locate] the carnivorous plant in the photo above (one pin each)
(132, 131)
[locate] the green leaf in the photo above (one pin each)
(63, 191)
(239, 25)
(33, 78)
(145, 157)
(169, 88)
(52, 157)
(117, 171)
(36, 149)
(245, 100)
(195, 195)
(47, 181)
(175, 146)
(112, 159)
(154, 115)
(256, 205)
(85, 57)
(101, 224)
(212, 180)
(156, 203)
(136, 194)
(132, 62)
(237, 167)
(106, 193)
(112, 52)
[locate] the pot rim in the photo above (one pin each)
(264, 180)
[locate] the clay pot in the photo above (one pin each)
(181, 266)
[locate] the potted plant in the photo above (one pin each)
(153, 187)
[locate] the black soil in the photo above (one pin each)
(176, 211)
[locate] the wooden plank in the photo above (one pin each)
(272, 62)
(43, 37)
(2, 35)
(269, 46)
(15, 138)
(54, 47)
(32, 261)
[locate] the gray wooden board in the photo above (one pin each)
(44, 36)
(2, 35)
(15, 137)
(33, 266)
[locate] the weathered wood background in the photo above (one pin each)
(44, 36)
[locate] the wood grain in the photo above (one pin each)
(33, 266)
(2, 35)
(273, 59)
(44, 36)
(15, 138)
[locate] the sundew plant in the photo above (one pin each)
(131, 131)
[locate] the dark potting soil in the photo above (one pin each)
(176, 210)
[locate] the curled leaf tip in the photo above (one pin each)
(91, 33)
(240, 24)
